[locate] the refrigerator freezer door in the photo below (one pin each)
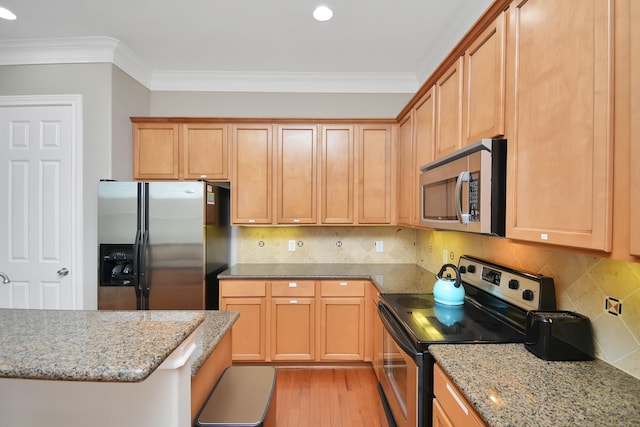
(175, 249)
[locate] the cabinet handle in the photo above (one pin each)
(293, 301)
(293, 285)
(343, 283)
(455, 396)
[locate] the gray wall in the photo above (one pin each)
(290, 105)
(104, 120)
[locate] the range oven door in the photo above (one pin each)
(402, 374)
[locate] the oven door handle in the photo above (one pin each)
(398, 335)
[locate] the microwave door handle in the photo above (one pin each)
(462, 217)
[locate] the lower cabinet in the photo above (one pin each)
(292, 320)
(248, 341)
(342, 315)
(450, 408)
(297, 321)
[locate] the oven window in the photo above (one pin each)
(395, 370)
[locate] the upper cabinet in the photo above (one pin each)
(251, 187)
(424, 141)
(376, 164)
(337, 176)
(448, 90)
(559, 126)
(484, 84)
(296, 173)
(406, 170)
(634, 119)
(167, 150)
(156, 151)
(204, 151)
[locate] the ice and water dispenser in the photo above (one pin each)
(116, 265)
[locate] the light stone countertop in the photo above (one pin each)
(208, 335)
(509, 387)
(388, 278)
(109, 346)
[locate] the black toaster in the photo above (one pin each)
(559, 335)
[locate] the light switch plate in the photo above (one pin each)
(292, 245)
(379, 246)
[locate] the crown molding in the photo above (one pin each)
(284, 82)
(78, 50)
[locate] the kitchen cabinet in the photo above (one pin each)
(172, 150)
(450, 408)
(560, 123)
(376, 165)
(156, 151)
(406, 169)
(342, 318)
(484, 84)
(248, 340)
(252, 171)
(634, 29)
(448, 90)
(292, 320)
(337, 176)
(204, 151)
(296, 171)
(424, 142)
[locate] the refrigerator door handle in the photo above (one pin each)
(143, 279)
(136, 269)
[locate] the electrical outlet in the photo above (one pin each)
(292, 245)
(379, 246)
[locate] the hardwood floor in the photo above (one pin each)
(328, 396)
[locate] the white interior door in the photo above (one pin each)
(39, 220)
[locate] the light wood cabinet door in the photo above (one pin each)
(156, 151)
(251, 196)
(424, 141)
(406, 170)
(296, 174)
(560, 123)
(375, 170)
(634, 191)
(204, 152)
(449, 110)
(342, 328)
(484, 85)
(292, 328)
(248, 341)
(337, 175)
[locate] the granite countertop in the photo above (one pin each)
(208, 335)
(509, 386)
(388, 278)
(109, 346)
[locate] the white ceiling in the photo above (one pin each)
(369, 45)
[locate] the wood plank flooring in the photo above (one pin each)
(328, 396)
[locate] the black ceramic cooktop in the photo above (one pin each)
(427, 322)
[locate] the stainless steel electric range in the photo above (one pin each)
(497, 300)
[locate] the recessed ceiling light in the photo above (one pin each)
(322, 13)
(7, 14)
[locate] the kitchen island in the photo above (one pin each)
(508, 387)
(68, 368)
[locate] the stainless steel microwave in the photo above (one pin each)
(466, 190)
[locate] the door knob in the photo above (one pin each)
(5, 278)
(63, 272)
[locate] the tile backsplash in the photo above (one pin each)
(596, 287)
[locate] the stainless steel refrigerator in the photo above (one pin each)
(161, 244)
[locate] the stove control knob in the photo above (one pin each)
(462, 269)
(514, 284)
(471, 269)
(527, 295)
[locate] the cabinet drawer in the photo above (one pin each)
(453, 403)
(242, 288)
(293, 288)
(342, 288)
